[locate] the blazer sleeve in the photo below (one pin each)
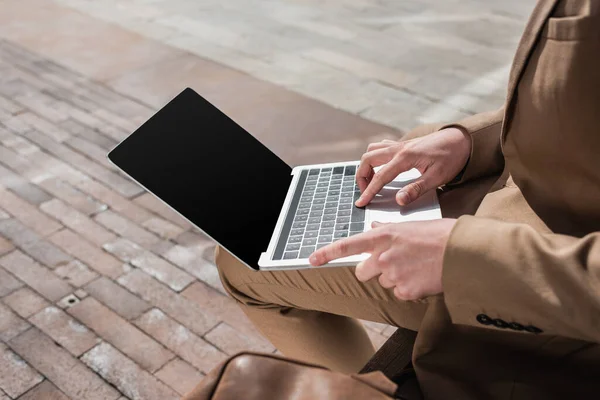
(498, 273)
(486, 154)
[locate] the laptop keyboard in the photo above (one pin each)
(325, 212)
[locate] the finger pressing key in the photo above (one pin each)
(357, 244)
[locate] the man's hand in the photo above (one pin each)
(439, 157)
(406, 256)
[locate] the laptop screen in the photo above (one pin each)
(211, 171)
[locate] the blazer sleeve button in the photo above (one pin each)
(515, 326)
(484, 319)
(533, 329)
(500, 323)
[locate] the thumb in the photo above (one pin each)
(376, 224)
(414, 190)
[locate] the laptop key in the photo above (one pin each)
(297, 225)
(299, 218)
(328, 224)
(296, 232)
(303, 205)
(329, 217)
(314, 220)
(342, 227)
(315, 214)
(335, 187)
(345, 200)
(319, 245)
(354, 233)
(350, 170)
(309, 242)
(321, 190)
(323, 184)
(312, 227)
(320, 195)
(339, 235)
(342, 220)
(357, 226)
(317, 207)
(311, 234)
(344, 213)
(326, 231)
(331, 205)
(319, 201)
(304, 211)
(325, 239)
(310, 187)
(347, 189)
(334, 192)
(345, 207)
(305, 252)
(314, 172)
(346, 194)
(330, 211)
(358, 214)
(295, 239)
(293, 247)
(290, 255)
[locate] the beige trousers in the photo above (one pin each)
(311, 314)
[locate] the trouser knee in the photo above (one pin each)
(231, 272)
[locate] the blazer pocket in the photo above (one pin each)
(573, 28)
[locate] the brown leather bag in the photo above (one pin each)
(252, 376)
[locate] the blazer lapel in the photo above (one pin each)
(532, 31)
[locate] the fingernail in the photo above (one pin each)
(402, 197)
(313, 260)
(359, 201)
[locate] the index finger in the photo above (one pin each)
(356, 244)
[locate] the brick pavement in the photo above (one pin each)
(399, 63)
(104, 292)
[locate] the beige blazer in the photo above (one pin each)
(520, 317)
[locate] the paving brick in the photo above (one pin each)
(10, 324)
(155, 266)
(94, 257)
(21, 187)
(3, 215)
(81, 294)
(8, 283)
(216, 303)
(190, 260)
(193, 238)
(113, 180)
(17, 144)
(67, 301)
(76, 273)
(44, 391)
(25, 302)
(163, 228)
(117, 202)
(180, 376)
(179, 308)
(90, 150)
(150, 202)
(70, 334)
(9, 105)
(27, 214)
(126, 124)
(121, 334)
(67, 193)
(39, 278)
(40, 125)
(3, 396)
(231, 341)
(78, 129)
(77, 222)
(126, 228)
(32, 244)
(5, 246)
(68, 373)
(180, 340)
(16, 377)
(123, 373)
(117, 298)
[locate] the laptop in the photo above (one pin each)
(267, 214)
